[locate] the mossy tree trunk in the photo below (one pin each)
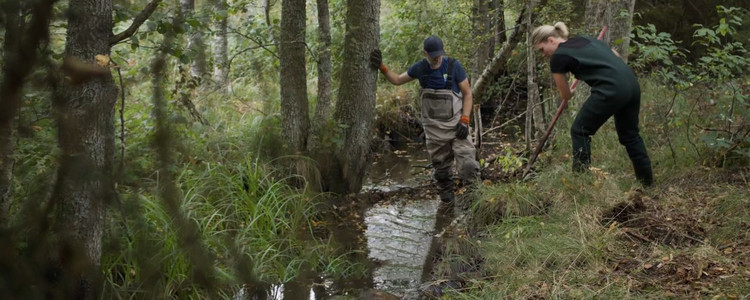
(355, 106)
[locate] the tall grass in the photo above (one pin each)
(544, 238)
(256, 228)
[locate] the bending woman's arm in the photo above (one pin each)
(562, 86)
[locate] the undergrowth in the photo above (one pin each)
(547, 237)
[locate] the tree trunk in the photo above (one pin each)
(498, 13)
(597, 15)
(11, 92)
(294, 106)
(619, 29)
(85, 117)
(221, 65)
(600, 13)
(533, 115)
(196, 49)
(355, 106)
(323, 106)
(485, 34)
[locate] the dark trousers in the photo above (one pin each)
(598, 109)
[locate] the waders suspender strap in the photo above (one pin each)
(449, 80)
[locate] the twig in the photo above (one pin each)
(514, 118)
(262, 45)
(687, 128)
(510, 88)
(637, 235)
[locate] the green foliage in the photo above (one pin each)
(720, 72)
(410, 22)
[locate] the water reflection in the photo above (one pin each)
(399, 237)
(398, 169)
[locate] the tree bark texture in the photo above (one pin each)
(621, 24)
(533, 114)
(11, 92)
(221, 63)
(617, 15)
(484, 32)
(323, 106)
(85, 117)
(498, 17)
(355, 106)
(294, 105)
(196, 48)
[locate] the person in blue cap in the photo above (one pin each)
(614, 92)
(446, 100)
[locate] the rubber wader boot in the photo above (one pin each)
(644, 175)
(446, 196)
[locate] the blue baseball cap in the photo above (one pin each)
(433, 45)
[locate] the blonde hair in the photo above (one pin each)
(541, 33)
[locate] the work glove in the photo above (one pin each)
(376, 58)
(462, 128)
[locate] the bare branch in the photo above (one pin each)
(137, 22)
(497, 63)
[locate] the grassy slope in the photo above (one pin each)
(599, 235)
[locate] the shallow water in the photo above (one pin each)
(399, 234)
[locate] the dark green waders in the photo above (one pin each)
(614, 92)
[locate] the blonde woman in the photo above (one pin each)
(614, 92)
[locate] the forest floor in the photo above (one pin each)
(678, 238)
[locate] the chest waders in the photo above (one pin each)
(614, 92)
(441, 112)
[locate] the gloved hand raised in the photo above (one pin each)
(376, 61)
(462, 128)
(376, 58)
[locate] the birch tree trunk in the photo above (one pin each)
(85, 119)
(532, 90)
(294, 105)
(221, 64)
(355, 107)
(195, 47)
(323, 106)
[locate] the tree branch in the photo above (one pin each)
(498, 62)
(137, 22)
